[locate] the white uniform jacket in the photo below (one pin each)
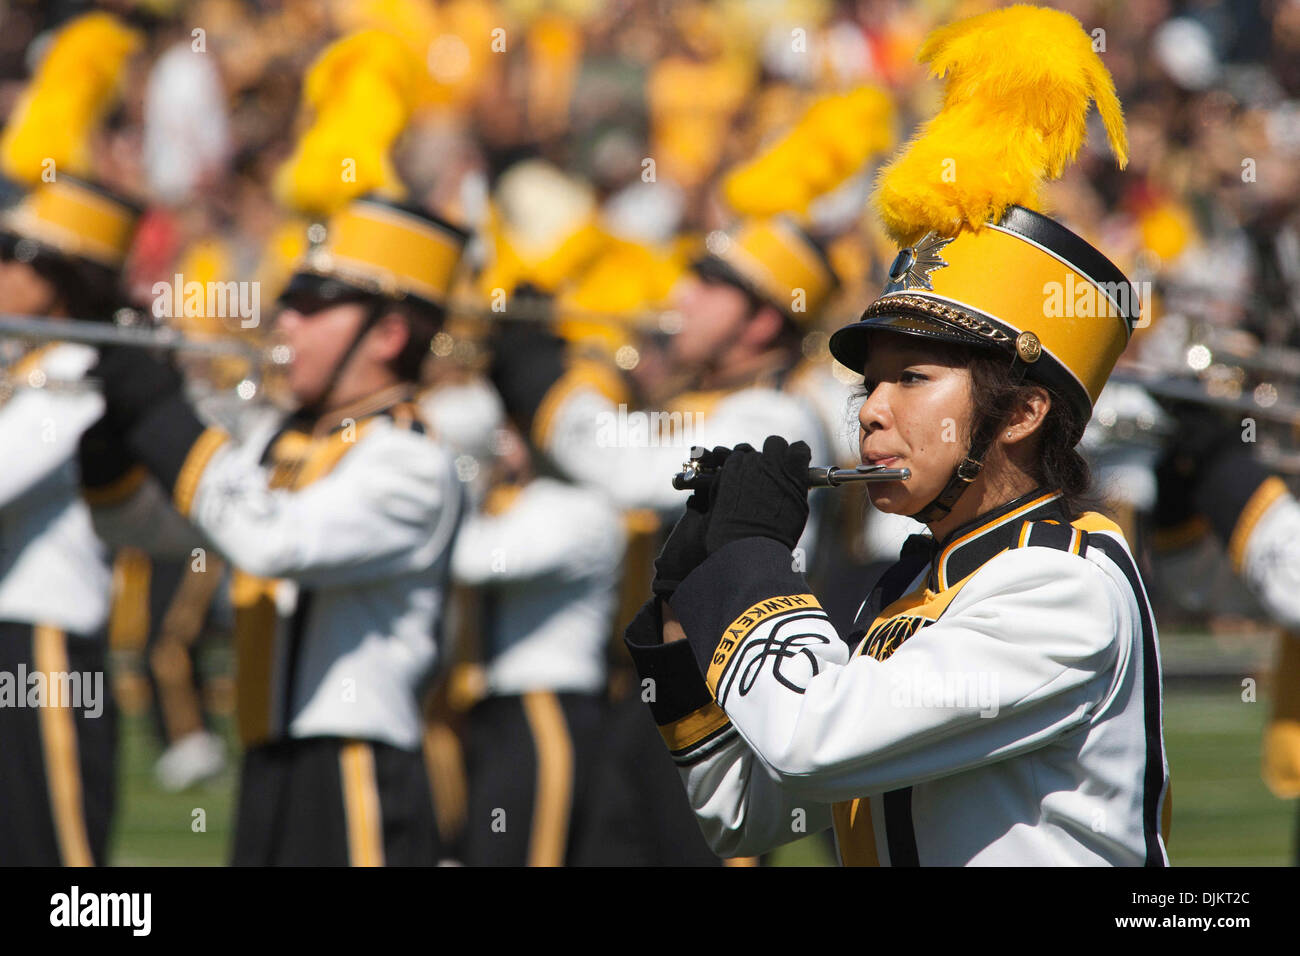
(546, 556)
(999, 702)
(340, 533)
(1259, 520)
(53, 570)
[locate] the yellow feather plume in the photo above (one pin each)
(832, 141)
(361, 92)
(78, 80)
(1015, 107)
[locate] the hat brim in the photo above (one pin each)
(850, 345)
(336, 288)
(719, 270)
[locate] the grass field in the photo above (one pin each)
(1223, 814)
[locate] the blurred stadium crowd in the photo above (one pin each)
(594, 149)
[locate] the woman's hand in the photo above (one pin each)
(684, 550)
(760, 495)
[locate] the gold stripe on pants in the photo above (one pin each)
(59, 741)
(361, 804)
(554, 778)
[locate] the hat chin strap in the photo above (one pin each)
(374, 312)
(968, 470)
(962, 477)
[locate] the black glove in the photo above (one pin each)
(684, 550)
(133, 382)
(527, 359)
(761, 495)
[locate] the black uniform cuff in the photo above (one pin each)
(102, 456)
(733, 579)
(679, 688)
(162, 437)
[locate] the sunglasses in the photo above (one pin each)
(308, 304)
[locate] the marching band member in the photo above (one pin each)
(1000, 700)
(340, 526)
(62, 248)
(742, 306)
(742, 309)
(544, 557)
(338, 521)
(1210, 477)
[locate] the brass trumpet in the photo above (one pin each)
(695, 475)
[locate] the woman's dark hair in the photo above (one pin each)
(1058, 464)
(87, 290)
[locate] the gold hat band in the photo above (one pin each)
(75, 220)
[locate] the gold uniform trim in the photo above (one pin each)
(582, 373)
(255, 629)
(740, 628)
(1269, 491)
(983, 529)
(200, 454)
(855, 832)
(361, 808)
(694, 727)
(129, 619)
(116, 491)
(1281, 748)
(62, 760)
(444, 762)
(76, 221)
(554, 750)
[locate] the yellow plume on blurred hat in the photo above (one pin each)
(46, 146)
(78, 80)
(541, 228)
(834, 139)
(361, 91)
(626, 279)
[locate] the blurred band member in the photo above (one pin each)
(1210, 479)
(544, 556)
(340, 526)
(61, 252)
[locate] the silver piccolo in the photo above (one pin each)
(694, 474)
